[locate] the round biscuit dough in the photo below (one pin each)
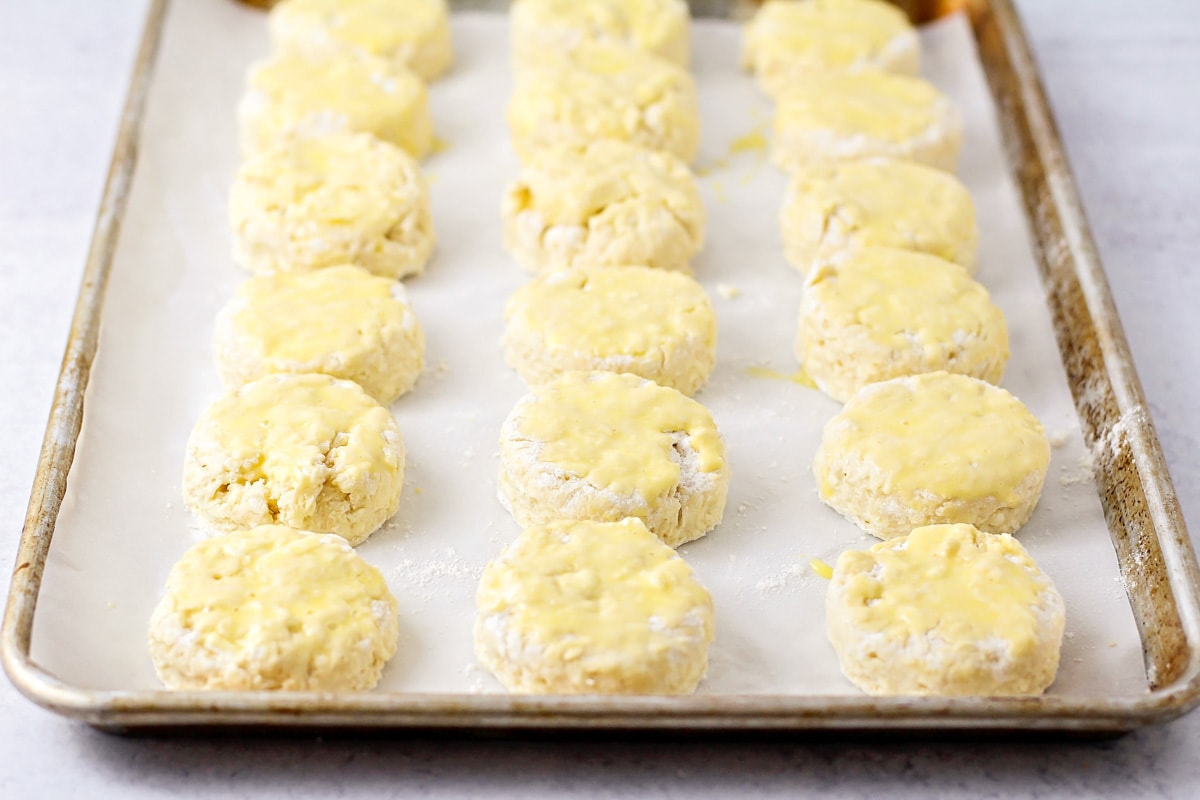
(854, 115)
(273, 608)
(930, 449)
(877, 202)
(788, 42)
(340, 321)
(541, 29)
(654, 324)
(605, 92)
(604, 446)
(308, 451)
(413, 34)
(312, 202)
(578, 607)
(945, 610)
(880, 313)
(605, 203)
(333, 92)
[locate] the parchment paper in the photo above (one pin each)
(123, 524)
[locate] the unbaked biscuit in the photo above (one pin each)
(788, 42)
(604, 446)
(658, 325)
(340, 321)
(846, 116)
(833, 208)
(932, 448)
(605, 203)
(605, 92)
(414, 34)
(593, 608)
(308, 451)
(879, 313)
(310, 202)
(545, 27)
(945, 610)
(273, 608)
(292, 95)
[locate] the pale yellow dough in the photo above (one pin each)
(787, 42)
(604, 446)
(834, 208)
(853, 115)
(313, 202)
(605, 92)
(945, 610)
(542, 29)
(340, 321)
(273, 608)
(334, 92)
(414, 34)
(933, 448)
(605, 203)
(593, 608)
(880, 313)
(658, 325)
(308, 451)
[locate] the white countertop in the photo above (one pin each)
(1120, 76)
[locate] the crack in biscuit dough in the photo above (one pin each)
(834, 208)
(308, 451)
(311, 203)
(604, 203)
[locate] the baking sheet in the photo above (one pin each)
(122, 524)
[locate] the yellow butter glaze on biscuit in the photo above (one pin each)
(932, 448)
(414, 34)
(604, 446)
(947, 434)
(616, 431)
(845, 116)
(340, 321)
(603, 203)
(274, 608)
(880, 313)
(309, 451)
(340, 198)
(834, 208)
(583, 607)
(787, 42)
(544, 29)
(659, 325)
(606, 92)
(292, 95)
(961, 611)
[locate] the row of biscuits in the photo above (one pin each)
(301, 460)
(926, 453)
(607, 464)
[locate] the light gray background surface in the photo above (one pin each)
(1121, 76)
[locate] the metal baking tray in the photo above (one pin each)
(1149, 537)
